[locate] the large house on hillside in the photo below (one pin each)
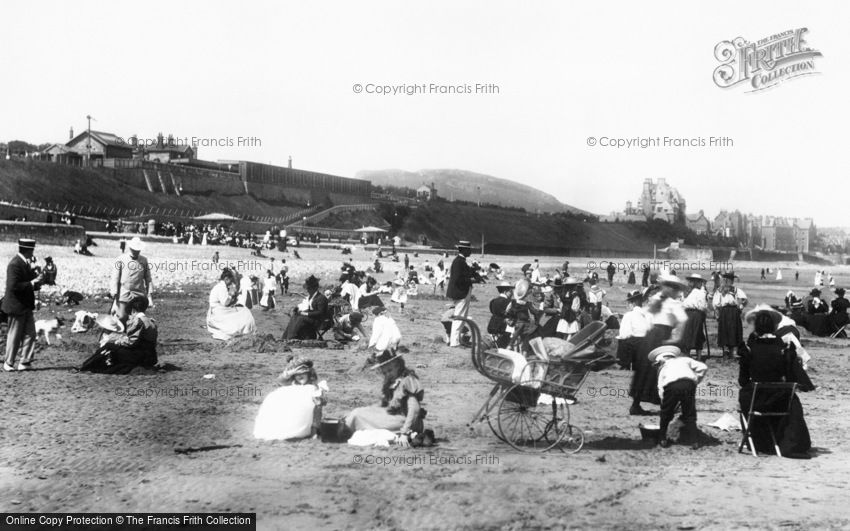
(698, 223)
(658, 200)
(98, 145)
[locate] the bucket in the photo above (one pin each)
(650, 432)
(332, 431)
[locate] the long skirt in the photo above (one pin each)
(792, 434)
(820, 324)
(627, 350)
(228, 322)
(119, 360)
(730, 330)
(377, 418)
(644, 386)
(693, 336)
(301, 327)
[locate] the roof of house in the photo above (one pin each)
(168, 148)
(107, 139)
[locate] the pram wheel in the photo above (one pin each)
(572, 439)
(527, 425)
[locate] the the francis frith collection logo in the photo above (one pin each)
(765, 63)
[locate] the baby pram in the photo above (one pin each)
(528, 406)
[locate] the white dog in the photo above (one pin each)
(48, 326)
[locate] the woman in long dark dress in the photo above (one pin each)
(840, 305)
(668, 318)
(767, 358)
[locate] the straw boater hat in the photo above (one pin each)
(26, 243)
(464, 244)
(571, 281)
(384, 358)
(664, 352)
(110, 323)
(671, 280)
(696, 277)
(521, 289)
(634, 295)
(774, 314)
(504, 286)
(135, 244)
(730, 275)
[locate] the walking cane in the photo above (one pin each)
(707, 342)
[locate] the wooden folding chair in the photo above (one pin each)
(841, 332)
(752, 413)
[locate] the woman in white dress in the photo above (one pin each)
(227, 319)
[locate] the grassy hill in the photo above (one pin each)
(460, 185)
(505, 230)
(46, 182)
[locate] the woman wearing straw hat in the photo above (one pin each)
(668, 319)
(573, 299)
(840, 305)
(400, 409)
(767, 358)
(227, 319)
(729, 301)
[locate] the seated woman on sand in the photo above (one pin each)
(768, 358)
(227, 319)
(294, 410)
(400, 409)
(123, 349)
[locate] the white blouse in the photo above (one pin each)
(635, 323)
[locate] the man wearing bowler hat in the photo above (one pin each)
(22, 281)
(131, 278)
(459, 289)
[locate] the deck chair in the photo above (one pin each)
(752, 413)
(841, 332)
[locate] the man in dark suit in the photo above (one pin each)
(310, 314)
(18, 303)
(459, 289)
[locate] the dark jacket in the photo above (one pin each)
(318, 310)
(20, 296)
(460, 279)
(498, 323)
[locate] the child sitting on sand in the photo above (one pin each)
(294, 410)
(678, 377)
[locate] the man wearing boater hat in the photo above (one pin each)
(459, 289)
(18, 303)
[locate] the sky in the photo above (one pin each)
(284, 77)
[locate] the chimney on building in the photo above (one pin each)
(159, 140)
(71, 134)
(290, 162)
